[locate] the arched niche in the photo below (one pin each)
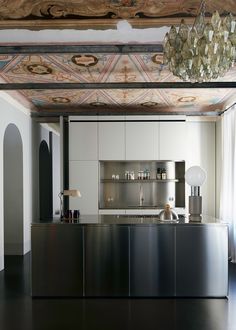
(13, 191)
(45, 182)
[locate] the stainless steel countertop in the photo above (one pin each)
(128, 220)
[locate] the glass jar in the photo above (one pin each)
(158, 173)
(132, 175)
(163, 174)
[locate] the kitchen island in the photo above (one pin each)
(129, 256)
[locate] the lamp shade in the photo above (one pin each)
(72, 193)
(195, 176)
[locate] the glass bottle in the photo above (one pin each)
(163, 174)
(145, 174)
(158, 173)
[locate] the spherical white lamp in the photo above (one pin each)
(195, 176)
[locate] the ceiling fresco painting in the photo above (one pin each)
(126, 9)
(100, 68)
(97, 68)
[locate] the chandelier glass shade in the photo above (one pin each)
(204, 51)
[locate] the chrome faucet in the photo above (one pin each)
(141, 198)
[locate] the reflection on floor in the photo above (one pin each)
(19, 311)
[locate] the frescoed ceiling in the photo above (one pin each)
(107, 68)
(104, 12)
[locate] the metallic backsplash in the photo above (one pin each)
(121, 193)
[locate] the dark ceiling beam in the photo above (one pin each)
(88, 49)
(132, 85)
(93, 112)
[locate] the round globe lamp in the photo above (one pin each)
(195, 176)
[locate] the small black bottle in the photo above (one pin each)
(163, 174)
(158, 173)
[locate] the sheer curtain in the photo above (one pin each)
(228, 184)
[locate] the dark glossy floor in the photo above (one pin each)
(19, 311)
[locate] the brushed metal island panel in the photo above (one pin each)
(106, 260)
(120, 259)
(152, 260)
(57, 260)
(202, 261)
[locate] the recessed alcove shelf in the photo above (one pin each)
(115, 191)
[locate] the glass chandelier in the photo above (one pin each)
(203, 52)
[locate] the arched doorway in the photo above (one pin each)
(45, 182)
(13, 191)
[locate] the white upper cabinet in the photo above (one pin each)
(83, 141)
(111, 137)
(173, 140)
(84, 177)
(142, 140)
(127, 139)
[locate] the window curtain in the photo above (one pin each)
(228, 183)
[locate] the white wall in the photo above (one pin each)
(32, 134)
(10, 114)
(39, 133)
(201, 151)
(56, 173)
(13, 191)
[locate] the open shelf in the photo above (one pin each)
(137, 180)
(125, 192)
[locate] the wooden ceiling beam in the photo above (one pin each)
(89, 49)
(112, 85)
(107, 112)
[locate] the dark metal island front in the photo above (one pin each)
(129, 256)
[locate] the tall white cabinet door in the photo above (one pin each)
(111, 137)
(173, 140)
(84, 176)
(141, 141)
(201, 152)
(83, 141)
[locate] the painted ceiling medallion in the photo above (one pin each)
(60, 99)
(149, 104)
(84, 60)
(97, 104)
(158, 59)
(15, 9)
(187, 99)
(38, 68)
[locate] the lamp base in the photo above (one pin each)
(195, 208)
(195, 218)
